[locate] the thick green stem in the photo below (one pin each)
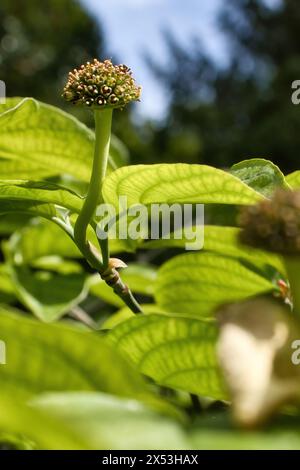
(293, 272)
(103, 119)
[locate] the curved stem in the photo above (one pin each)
(88, 251)
(104, 246)
(93, 258)
(103, 119)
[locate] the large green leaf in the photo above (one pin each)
(119, 155)
(47, 139)
(223, 240)
(48, 294)
(54, 357)
(9, 223)
(41, 430)
(260, 174)
(56, 264)
(7, 290)
(293, 179)
(41, 238)
(38, 192)
(108, 422)
(175, 352)
(99, 418)
(141, 277)
(197, 283)
(31, 208)
(22, 169)
(176, 183)
(10, 103)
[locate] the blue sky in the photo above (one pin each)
(134, 26)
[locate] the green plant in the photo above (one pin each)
(84, 383)
(104, 87)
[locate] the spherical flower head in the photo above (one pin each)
(273, 224)
(101, 85)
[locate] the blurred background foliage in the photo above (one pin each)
(217, 114)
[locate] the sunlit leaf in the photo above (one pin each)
(22, 169)
(7, 290)
(260, 174)
(108, 422)
(55, 357)
(99, 418)
(42, 430)
(38, 192)
(196, 283)
(176, 183)
(175, 352)
(28, 207)
(41, 238)
(46, 137)
(222, 240)
(293, 179)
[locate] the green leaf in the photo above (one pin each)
(176, 183)
(38, 192)
(43, 431)
(175, 352)
(216, 431)
(28, 207)
(54, 357)
(99, 419)
(141, 278)
(223, 240)
(41, 238)
(22, 169)
(57, 264)
(9, 223)
(196, 283)
(293, 179)
(47, 294)
(47, 138)
(108, 422)
(118, 152)
(10, 103)
(260, 174)
(7, 290)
